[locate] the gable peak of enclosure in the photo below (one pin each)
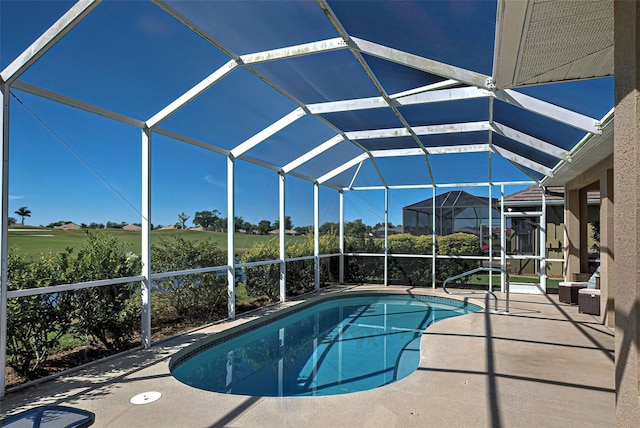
(344, 94)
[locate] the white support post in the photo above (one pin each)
(490, 223)
(4, 217)
(231, 241)
(543, 244)
(490, 238)
(433, 238)
(503, 241)
(283, 244)
(146, 238)
(341, 266)
(316, 234)
(386, 236)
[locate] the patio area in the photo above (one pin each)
(543, 364)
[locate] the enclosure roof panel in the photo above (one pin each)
(354, 83)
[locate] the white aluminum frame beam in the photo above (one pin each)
(192, 93)
(342, 168)
(231, 241)
(423, 64)
(316, 235)
(313, 153)
(503, 241)
(521, 160)
(355, 175)
(470, 148)
(326, 45)
(347, 105)
(419, 130)
(551, 111)
(4, 233)
(341, 239)
(386, 236)
(47, 40)
(444, 186)
(145, 238)
(282, 236)
(432, 87)
(533, 142)
(444, 95)
(81, 105)
(413, 96)
(267, 132)
(192, 141)
(466, 148)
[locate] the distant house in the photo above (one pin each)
(287, 232)
(68, 226)
(132, 227)
(167, 228)
(379, 232)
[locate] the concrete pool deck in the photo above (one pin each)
(543, 364)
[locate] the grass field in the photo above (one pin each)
(34, 241)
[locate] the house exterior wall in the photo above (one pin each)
(626, 176)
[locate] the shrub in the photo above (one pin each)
(36, 323)
(363, 269)
(197, 296)
(414, 271)
(109, 314)
(456, 244)
(264, 280)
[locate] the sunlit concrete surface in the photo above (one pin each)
(542, 364)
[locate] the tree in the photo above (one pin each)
(238, 223)
(288, 224)
(182, 219)
(356, 228)
(329, 227)
(23, 212)
(12, 220)
(381, 225)
(264, 227)
(206, 219)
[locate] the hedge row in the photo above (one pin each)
(109, 316)
(412, 271)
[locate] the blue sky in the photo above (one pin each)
(66, 164)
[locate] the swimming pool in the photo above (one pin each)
(336, 346)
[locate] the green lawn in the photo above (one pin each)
(33, 241)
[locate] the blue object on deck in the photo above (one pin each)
(50, 417)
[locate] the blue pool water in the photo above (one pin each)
(335, 347)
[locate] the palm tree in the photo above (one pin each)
(23, 212)
(182, 219)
